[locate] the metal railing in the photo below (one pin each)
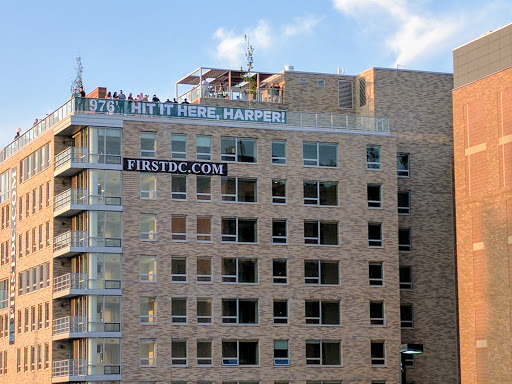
(38, 129)
(263, 94)
(69, 324)
(70, 367)
(81, 155)
(81, 281)
(80, 239)
(81, 197)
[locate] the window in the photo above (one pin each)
(320, 193)
(20, 209)
(239, 311)
(147, 353)
(320, 83)
(40, 236)
(278, 191)
(239, 150)
(48, 194)
(47, 234)
(5, 186)
(46, 315)
(362, 92)
(178, 146)
(39, 316)
(278, 151)
(373, 157)
(405, 277)
(374, 234)
(320, 232)
(323, 352)
(204, 311)
(321, 272)
(179, 310)
(4, 293)
(239, 230)
(178, 352)
(34, 247)
(203, 188)
(19, 320)
(237, 270)
(179, 187)
(178, 269)
(46, 355)
(239, 190)
(376, 274)
(41, 197)
(204, 352)
(402, 164)
(147, 185)
(204, 269)
(279, 271)
(32, 358)
(404, 239)
(27, 205)
(179, 228)
(26, 320)
(148, 310)
(203, 147)
(406, 316)
(378, 353)
(33, 318)
(279, 231)
(404, 202)
(280, 311)
(147, 268)
(281, 352)
(147, 144)
(147, 223)
(18, 360)
(34, 201)
(240, 352)
(320, 154)
(25, 359)
(377, 313)
(39, 357)
(374, 194)
(204, 228)
(322, 312)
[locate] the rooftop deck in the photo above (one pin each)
(245, 116)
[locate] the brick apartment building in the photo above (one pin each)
(482, 122)
(290, 227)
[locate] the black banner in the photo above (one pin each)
(173, 166)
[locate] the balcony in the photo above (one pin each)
(73, 201)
(78, 370)
(74, 159)
(73, 242)
(78, 284)
(78, 327)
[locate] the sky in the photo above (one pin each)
(141, 46)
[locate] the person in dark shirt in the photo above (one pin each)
(185, 102)
(174, 101)
(156, 99)
(82, 92)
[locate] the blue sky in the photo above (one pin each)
(146, 47)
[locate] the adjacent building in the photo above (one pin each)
(286, 227)
(482, 118)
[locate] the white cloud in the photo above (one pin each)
(301, 26)
(415, 35)
(230, 49)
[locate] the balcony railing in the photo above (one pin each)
(38, 129)
(79, 239)
(71, 367)
(81, 155)
(79, 367)
(80, 324)
(81, 197)
(81, 281)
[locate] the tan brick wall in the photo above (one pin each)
(481, 112)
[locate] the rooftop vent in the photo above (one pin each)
(340, 71)
(289, 68)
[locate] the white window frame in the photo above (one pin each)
(203, 156)
(406, 285)
(373, 165)
(179, 236)
(152, 235)
(204, 361)
(147, 361)
(407, 323)
(235, 238)
(282, 361)
(283, 240)
(142, 276)
(204, 196)
(278, 199)
(175, 195)
(202, 279)
(179, 277)
(278, 160)
(233, 157)
(177, 155)
(375, 243)
(315, 162)
(179, 361)
(225, 360)
(309, 279)
(228, 278)
(207, 318)
(403, 172)
(373, 281)
(147, 153)
(228, 319)
(281, 280)
(179, 319)
(280, 320)
(314, 320)
(148, 319)
(316, 200)
(318, 360)
(316, 240)
(151, 194)
(404, 210)
(233, 198)
(374, 204)
(402, 247)
(378, 361)
(378, 321)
